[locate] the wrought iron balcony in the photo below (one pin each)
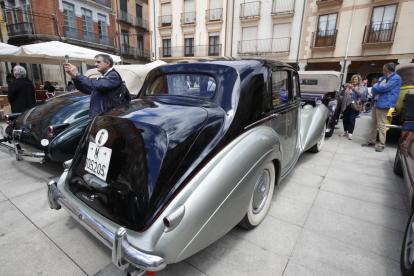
(213, 15)
(19, 28)
(128, 50)
(88, 36)
(323, 3)
(188, 18)
(250, 10)
(324, 39)
(142, 23)
(283, 7)
(126, 17)
(381, 34)
(107, 3)
(190, 51)
(165, 21)
(142, 53)
(264, 46)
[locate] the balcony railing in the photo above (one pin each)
(382, 33)
(325, 38)
(250, 10)
(263, 46)
(281, 7)
(128, 50)
(165, 21)
(107, 3)
(190, 51)
(142, 23)
(87, 36)
(188, 18)
(141, 53)
(328, 2)
(19, 28)
(126, 17)
(214, 15)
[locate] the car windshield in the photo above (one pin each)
(194, 85)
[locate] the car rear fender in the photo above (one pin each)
(63, 147)
(217, 198)
(311, 125)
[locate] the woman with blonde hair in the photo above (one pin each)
(351, 92)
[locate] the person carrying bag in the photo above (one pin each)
(351, 105)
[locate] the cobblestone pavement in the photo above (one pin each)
(339, 212)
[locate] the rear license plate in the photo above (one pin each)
(97, 161)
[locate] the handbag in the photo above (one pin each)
(356, 104)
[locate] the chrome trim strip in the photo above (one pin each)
(271, 116)
(393, 126)
(123, 253)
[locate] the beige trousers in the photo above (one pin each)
(378, 118)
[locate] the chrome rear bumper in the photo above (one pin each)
(16, 150)
(123, 253)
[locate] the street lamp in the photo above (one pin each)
(372, 66)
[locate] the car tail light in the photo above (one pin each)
(50, 129)
(167, 222)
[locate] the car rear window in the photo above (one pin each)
(309, 82)
(194, 85)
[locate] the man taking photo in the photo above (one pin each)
(101, 90)
(384, 96)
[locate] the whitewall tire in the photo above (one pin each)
(261, 198)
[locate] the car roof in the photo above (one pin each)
(327, 81)
(237, 63)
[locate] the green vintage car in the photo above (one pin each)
(52, 129)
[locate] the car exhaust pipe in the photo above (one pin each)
(51, 195)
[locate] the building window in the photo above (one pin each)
(166, 47)
(189, 15)
(102, 28)
(189, 45)
(140, 40)
(69, 15)
(327, 24)
(382, 23)
(123, 5)
(3, 9)
(87, 26)
(166, 15)
(325, 35)
(139, 11)
(213, 45)
(125, 37)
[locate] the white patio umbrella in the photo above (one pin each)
(55, 51)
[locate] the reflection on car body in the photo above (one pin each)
(189, 165)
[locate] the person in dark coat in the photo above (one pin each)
(21, 92)
(50, 88)
(102, 89)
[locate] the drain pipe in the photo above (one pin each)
(232, 30)
(155, 36)
(300, 34)
(31, 12)
(225, 31)
(347, 44)
(57, 18)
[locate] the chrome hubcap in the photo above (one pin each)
(409, 245)
(261, 191)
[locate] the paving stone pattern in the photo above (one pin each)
(339, 212)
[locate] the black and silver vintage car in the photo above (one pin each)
(199, 152)
(322, 86)
(52, 129)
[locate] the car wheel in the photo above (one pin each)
(407, 251)
(397, 161)
(261, 198)
(318, 146)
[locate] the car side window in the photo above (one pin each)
(280, 88)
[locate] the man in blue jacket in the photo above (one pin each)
(384, 96)
(102, 89)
